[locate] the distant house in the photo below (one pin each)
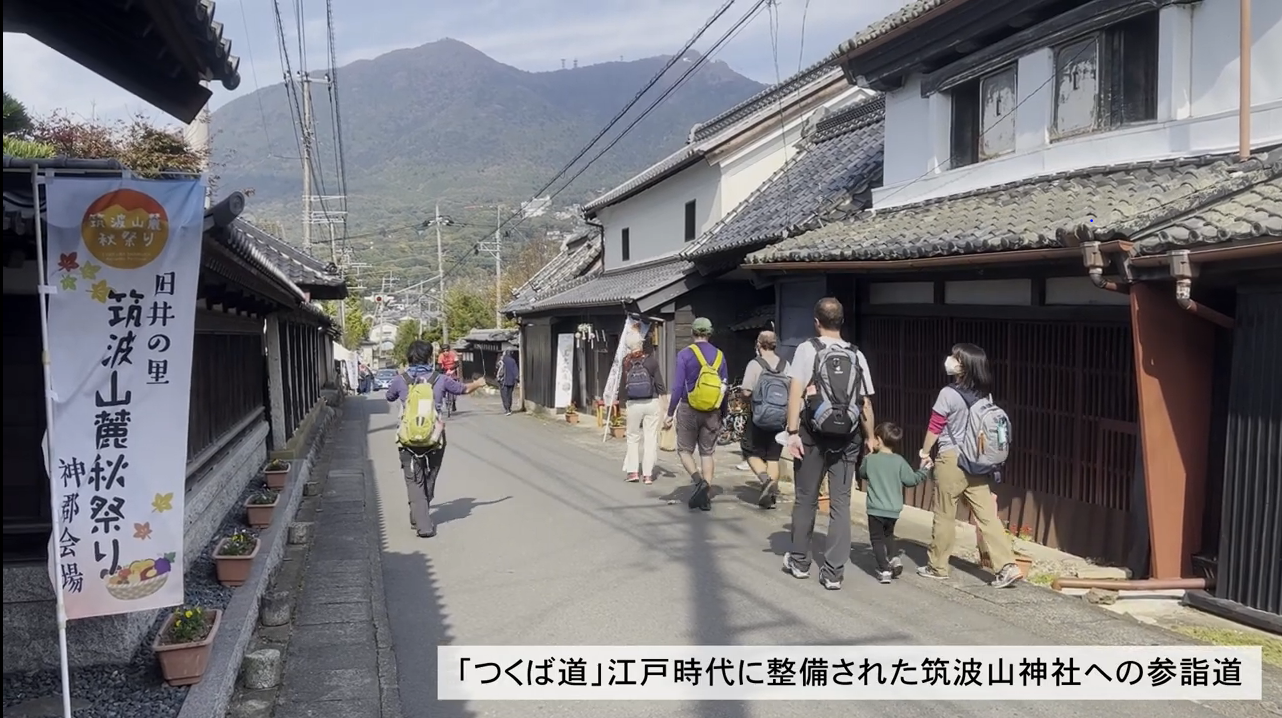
(647, 224)
(1062, 186)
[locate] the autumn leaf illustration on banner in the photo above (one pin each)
(89, 270)
(99, 291)
(163, 503)
(67, 262)
(142, 531)
(68, 282)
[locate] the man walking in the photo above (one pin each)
(508, 375)
(698, 406)
(421, 437)
(830, 419)
(766, 384)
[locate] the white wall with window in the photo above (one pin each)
(657, 221)
(1162, 84)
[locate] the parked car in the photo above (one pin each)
(383, 379)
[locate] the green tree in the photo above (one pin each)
(358, 323)
(468, 308)
(407, 332)
(16, 120)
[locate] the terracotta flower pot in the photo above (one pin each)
(234, 570)
(260, 515)
(619, 431)
(572, 418)
(276, 479)
(184, 664)
(1025, 564)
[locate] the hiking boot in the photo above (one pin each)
(767, 498)
(928, 572)
(896, 567)
(699, 497)
(790, 567)
(884, 576)
(1009, 574)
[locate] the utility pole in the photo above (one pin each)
(495, 249)
(305, 88)
(440, 270)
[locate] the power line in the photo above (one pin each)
(253, 71)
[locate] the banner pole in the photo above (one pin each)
(46, 290)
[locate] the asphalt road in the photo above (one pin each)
(541, 542)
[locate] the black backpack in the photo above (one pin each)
(638, 383)
(838, 402)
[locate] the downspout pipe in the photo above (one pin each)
(1148, 584)
(1095, 263)
(1244, 80)
(1182, 271)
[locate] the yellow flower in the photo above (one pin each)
(189, 614)
(177, 623)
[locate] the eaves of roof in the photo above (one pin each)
(302, 268)
(1228, 198)
(620, 286)
(902, 17)
(683, 158)
(762, 100)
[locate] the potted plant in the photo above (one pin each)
(618, 425)
(571, 414)
(182, 646)
(277, 472)
(234, 557)
(259, 507)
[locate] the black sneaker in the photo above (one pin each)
(1008, 576)
(767, 498)
(699, 498)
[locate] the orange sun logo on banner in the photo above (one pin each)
(125, 229)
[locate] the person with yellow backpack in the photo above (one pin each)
(698, 409)
(420, 438)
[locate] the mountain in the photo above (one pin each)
(443, 121)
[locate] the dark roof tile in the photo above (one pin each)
(842, 158)
(566, 270)
(1102, 203)
(1250, 214)
(895, 20)
(762, 100)
(617, 286)
(302, 268)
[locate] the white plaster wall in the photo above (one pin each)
(655, 218)
(1197, 110)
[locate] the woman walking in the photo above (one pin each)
(640, 391)
(971, 380)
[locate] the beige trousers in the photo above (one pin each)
(643, 436)
(951, 486)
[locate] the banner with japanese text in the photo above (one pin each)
(124, 263)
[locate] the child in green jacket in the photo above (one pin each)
(886, 473)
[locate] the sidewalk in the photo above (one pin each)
(338, 660)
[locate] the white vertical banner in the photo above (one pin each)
(564, 370)
(124, 264)
(630, 326)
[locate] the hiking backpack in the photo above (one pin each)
(637, 382)
(708, 389)
(838, 401)
(770, 397)
(983, 448)
(419, 423)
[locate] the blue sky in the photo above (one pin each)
(530, 34)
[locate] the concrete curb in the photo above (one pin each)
(212, 696)
(388, 678)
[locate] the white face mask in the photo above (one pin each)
(952, 367)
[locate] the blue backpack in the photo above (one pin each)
(770, 397)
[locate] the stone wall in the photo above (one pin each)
(30, 629)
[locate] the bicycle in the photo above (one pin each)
(736, 418)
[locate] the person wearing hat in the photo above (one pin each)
(697, 408)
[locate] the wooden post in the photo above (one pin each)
(275, 382)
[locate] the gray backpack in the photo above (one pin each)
(985, 444)
(770, 397)
(838, 402)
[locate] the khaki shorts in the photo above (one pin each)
(697, 429)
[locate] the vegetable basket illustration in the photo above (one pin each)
(141, 578)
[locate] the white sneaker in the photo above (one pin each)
(883, 576)
(744, 466)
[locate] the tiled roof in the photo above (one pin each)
(762, 100)
(674, 162)
(758, 318)
(1250, 214)
(563, 272)
(1102, 203)
(904, 15)
(620, 285)
(302, 268)
(214, 49)
(841, 158)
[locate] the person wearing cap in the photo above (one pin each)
(697, 429)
